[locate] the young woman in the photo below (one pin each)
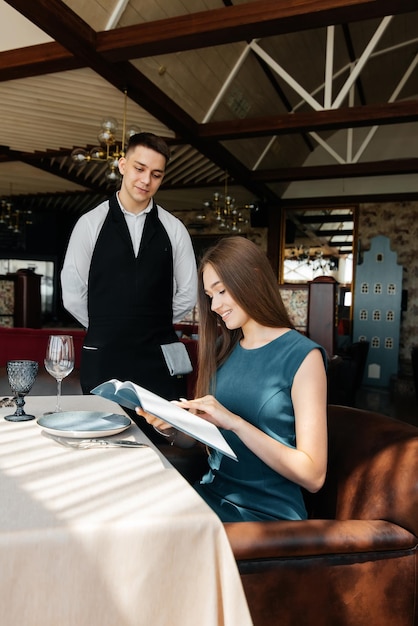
(262, 383)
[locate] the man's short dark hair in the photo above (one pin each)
(149, 140)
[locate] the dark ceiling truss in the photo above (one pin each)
(334, 119)
(345, 170)
(254, 20)
(108, 54)
(63, 25)
(332, 201)
(177, 34)
(74, 202)
(323, 217)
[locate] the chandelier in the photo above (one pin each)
(110, 150)
(314, 258)
(13, 223)
(226, 214)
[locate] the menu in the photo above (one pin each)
(130, 395)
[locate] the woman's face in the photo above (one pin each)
(222, 302)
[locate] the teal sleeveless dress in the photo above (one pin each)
(256, 384)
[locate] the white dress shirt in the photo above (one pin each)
(75, 271)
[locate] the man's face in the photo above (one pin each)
(143, 171)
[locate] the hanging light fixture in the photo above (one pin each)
(13, 221)
(109, 150)
(227, 215)
(314, 258)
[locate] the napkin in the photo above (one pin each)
(177, 358)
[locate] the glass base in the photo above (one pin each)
(19, 418)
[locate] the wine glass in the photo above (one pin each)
(21, 375)
(59, 361)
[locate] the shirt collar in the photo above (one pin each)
(147, 210)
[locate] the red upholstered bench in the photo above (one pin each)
(30, 343)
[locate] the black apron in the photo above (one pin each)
(130, 307)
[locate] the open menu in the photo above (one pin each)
(130, 395)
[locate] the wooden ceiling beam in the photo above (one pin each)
(44, 58)
(390, 167)
(225, 25)
(393, 167)
(186, 32)
(243, 22)
(335, 201)
(331, 119)
(66, 28)
(59, 22)
(63, 25)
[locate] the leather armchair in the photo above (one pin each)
(354, 561)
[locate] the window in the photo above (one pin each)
(391, 289)
(363, 315)
(389, 343)
(390, 316)
(378, 288)
(375, 342)
(364, 288)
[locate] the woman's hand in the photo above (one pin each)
(154, 421)
(212, 411)
(166, 430)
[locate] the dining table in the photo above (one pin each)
(106, 536)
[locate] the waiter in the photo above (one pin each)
(129, 273)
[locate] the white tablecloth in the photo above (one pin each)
(106, 537)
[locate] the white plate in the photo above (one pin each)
(82, 424)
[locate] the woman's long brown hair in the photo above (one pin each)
(248, 276)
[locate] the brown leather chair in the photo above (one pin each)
(354, 561)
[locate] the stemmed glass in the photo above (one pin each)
(59, 361)
(21, 375)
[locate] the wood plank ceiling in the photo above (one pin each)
(251, 88)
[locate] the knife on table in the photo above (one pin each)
(99, 443)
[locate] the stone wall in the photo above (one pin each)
(399, 222)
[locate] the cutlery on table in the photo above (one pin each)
(99, 443)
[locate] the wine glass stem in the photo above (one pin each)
(20, 401)
(58, 407)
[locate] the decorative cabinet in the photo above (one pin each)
(20, 304)
(377, 311)
(322, 312)
(312, 308)
(7, 301)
